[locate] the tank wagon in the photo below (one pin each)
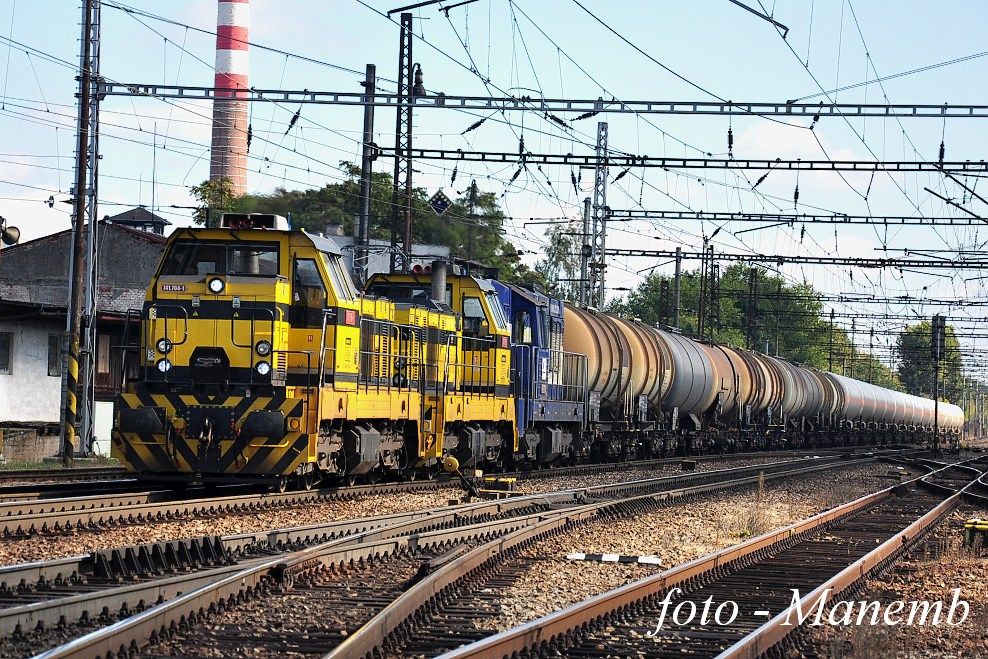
(653, 390)
(254, 357)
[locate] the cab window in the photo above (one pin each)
(308, 294)
(497, 311)
(474, 320)
(339, 277)
(309, 289)
(187, 257)
(522, 329)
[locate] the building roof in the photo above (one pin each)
(36, 272)
(138, 215)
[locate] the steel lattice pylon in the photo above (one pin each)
(598, 230)
(401, 196)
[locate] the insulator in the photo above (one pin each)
(250, 135)
(418, 89)
(730, 141)
(576, 187)
(521, 145)
(474, 126)
(941, 154)
(291, 124)
(795, 196)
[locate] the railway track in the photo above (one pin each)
(23, 517)
(92, 481)
(425, 535)
(834, 550)
(8, 476)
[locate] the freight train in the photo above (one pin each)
(256, 358)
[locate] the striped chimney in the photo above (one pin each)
(229, 145)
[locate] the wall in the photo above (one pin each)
(102, 425)
(23, 445)
(29, 394)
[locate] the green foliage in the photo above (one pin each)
(476, 235)
(215, 197)
(560, 268)
(916, 363)
(760, 311)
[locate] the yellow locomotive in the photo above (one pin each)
(258, 359)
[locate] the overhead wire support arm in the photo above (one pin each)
(692, 163)
(789, 218)
(785, 30)
(426, 3)
(957, 264)
(560, 105)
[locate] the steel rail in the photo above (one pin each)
(777, 630)
(369, 639)
(228, 587)
(554, 626)
(89, 516)
(129, 562)
(420, 528)
(31, 519)
(58, 473)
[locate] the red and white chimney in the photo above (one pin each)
(229, 145)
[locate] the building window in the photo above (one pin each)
(6, 342)
(103, 354)
(55, 355)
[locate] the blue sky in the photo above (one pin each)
(713, 43)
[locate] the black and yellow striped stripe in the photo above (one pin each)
(172, 452)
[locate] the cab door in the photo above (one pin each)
(478, 346)
(306, 319)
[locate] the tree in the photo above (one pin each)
(760, 311)
(215, 197)
(916, 362)
(468, 230)
(560, 269)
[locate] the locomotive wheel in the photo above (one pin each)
(308, 480)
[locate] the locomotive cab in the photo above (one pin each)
(549, 384)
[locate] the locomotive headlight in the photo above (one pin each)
(263, 348)
(164, 346)
(164, 365)
(216, 285)
(263, 369)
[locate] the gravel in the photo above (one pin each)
(929, 572)
(548, 482)
(20, 550)
(14, 550)
(676, 534)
